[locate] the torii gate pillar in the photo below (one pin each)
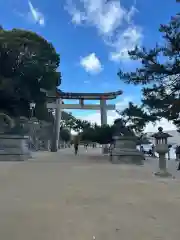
(103, 109)
(56, 129)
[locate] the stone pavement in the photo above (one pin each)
(59, 196)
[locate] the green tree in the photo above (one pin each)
(104, 134)
(100, 134)
(136, 117)
(42, 113)
(65, 135)
(159, 73)
(28, 63)
(80, 125)
(88, 135)
(68, 120)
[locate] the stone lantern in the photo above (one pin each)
(162, 148)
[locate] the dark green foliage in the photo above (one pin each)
(65, 135)
(160, 72)
(42, 113)
(133, 118)
(136, 117)
(73, 123)
(27, 64)
(104, 134)
(88, 135)
(80, 125)
(100, 134)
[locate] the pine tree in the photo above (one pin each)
(159, 73)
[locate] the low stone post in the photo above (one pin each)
(125, 150)
(13, 141)
(162, 149)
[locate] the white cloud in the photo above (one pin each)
(104, 15)
(125, 42)
(166, 125)
(112, 21)
(77, 16)
(91, 64)
(131, 13)
(36, 15)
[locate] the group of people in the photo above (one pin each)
(150, 152)
(76, 146)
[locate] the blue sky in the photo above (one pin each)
(92, 37)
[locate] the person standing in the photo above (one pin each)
(169, 149)
(178, 157)
(86, 145)
(178, 166)
(142, 149)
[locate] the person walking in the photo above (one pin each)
(153, 151)
(76, 145)
(76, 148)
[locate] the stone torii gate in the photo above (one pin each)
(59, 106)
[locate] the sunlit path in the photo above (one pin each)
(62, 196)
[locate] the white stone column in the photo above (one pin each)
(56, 130)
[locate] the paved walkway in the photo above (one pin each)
(59, 196)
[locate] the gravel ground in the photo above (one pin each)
(61, 196)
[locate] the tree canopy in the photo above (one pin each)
(100, 134)
(65, 135)
(136, 117)
(73, 123)
(159, 73)
(28, 63)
